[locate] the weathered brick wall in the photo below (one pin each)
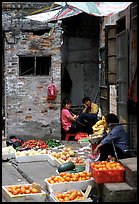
(28, 114)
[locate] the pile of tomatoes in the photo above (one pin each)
(67, 177)
(70, 196)
(19, 189)
(34, 144)
(81, 135)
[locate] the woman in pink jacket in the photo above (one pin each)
(68, 119)
(73, 123)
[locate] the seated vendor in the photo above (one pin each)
(76, 123)
(89, 114)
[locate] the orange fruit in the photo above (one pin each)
(61, 199)
(34, 190)
(22, 190)
(68, 178)
(10, 189)
(66, 199)
(27, 191)
(18, 190)
(26, 186)
(15, 192)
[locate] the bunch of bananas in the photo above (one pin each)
(100, 126)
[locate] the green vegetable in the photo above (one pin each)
(79, 168)
(53, 143)
(85, 140)
(66, 166)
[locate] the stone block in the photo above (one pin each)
(118, 192)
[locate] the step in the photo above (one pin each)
(130, 165)
(118, 192)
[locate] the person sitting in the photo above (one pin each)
(67, 118)
(73, 123)
(89, 107)
(89, 114)
(116, 140)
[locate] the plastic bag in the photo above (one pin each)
(51, 91)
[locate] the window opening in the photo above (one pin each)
(38, 32)
(120, 25)
(34, 66)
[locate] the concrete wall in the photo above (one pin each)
(80, 57)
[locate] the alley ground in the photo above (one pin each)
(20, 173)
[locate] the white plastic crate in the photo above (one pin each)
(32, 158)
(36, 197)
(64, 186)
(54, 162)
(54, 199)
(8, 153)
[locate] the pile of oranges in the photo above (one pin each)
(25, 189)
(107, 172)
(105, 165)
(70, 196)
(67, 177)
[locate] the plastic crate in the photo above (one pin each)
(64, 186)
(108, 176)
(8, 153)
(54, 199)
(31, 158)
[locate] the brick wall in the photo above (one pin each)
(28, 114)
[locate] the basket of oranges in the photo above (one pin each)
(23, 193)
(107, 172)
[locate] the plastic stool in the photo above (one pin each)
(69, 135)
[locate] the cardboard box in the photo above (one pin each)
(54, 199)
(36, 197)
(8, 153)
(64, 186)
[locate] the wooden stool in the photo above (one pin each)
(69, 135)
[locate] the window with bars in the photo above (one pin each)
(34, 66)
